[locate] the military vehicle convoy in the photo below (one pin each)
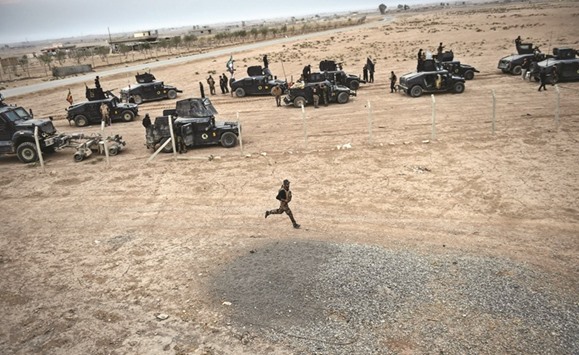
(414, 84)
(514, 63)
(564, 66)
(85, 113)
(148, 89)
(301, 94)
(17, 133)
(194, 125)
(260, 81)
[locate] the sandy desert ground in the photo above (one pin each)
(462, 242)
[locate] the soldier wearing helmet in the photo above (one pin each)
(284, 196)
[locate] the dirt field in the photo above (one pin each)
(458, 241)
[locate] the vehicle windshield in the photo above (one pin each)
(17, 114)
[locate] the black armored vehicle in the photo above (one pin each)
(414, 84)
(85, 113)
(193, 125)
(301, 93)
(329, 70)
(260, 81)
(457, 68)
(148, 89)
(564, 66)
(514, 63)
(17, 133)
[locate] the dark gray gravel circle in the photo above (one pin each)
(328, 298)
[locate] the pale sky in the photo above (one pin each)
(31, 20)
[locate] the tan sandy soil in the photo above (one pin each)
(90, 255)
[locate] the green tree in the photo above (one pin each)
(254, 33)
(60, 56)
(264, 31)
(103, 53)
(24, 64)
(46, 60)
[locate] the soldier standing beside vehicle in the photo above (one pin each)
(543, 80)
(284, 196)
(324, 91)
(105, 114)
(316, 95)
(265, 61)
(393, 79)
(277, 92)
(211, 83)
(524, 68)
(420, 65)
(439, 51)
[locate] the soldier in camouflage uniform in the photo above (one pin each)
(284, 196)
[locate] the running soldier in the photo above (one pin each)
(284, 196)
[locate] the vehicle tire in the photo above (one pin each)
(172, 94)
(354, 85)
(228, 139)
(299, 102)
(114, 150)
(239, 92)
(416, 91)
(343, 97)
(168, 148)
(469, 75)
(127, 116)
(26, 152)
(458, 87)
(78, 157)
(81, 121)
(517, 70)
(137, 99)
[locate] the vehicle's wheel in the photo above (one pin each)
(343, 97)
(517, 70)
(137, 99)
(168, 148)
(554, 80)
(239, 92)
(299, 102)
(354, 85)
(127, 116)
(81, 121)
(78, 157)
(416, 91)
(458, 87)
(228, 139)
(172, 94)
(26, 152)
(114, 150)
(469, 75)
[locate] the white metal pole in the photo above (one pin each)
(108, 162)
(159, 150)
(433, 134)
(305, 127)
(172, 137)
(558, 111)
(240, 138)
(369, 123)
(494, 110)
(38, 150)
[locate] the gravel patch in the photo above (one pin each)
(327, 298)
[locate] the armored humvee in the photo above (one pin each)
(193, 125)
(260, 81)
(414, 84)
(148, 89)
(85, 113)
(17, 133)
(301, 93)
(457, 68)
(329, 70)
(564, 66)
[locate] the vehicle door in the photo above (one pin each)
(93, 112)
(249, 86)
(188, 134)
(148, 91)
(263, 85)
(430, 81)
(569, 70)
(203, 132)
(6, 132)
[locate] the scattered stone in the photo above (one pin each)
(162, 316)
(226, 303)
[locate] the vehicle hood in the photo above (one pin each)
(226, 124)
(127, 105)
(44, 125)
(512, 57)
